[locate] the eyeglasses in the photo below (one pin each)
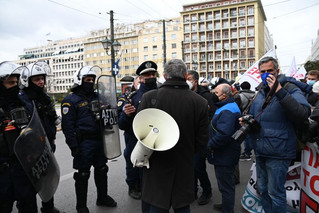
(263, 71)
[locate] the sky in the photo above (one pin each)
(293, 24)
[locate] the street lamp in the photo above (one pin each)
(111, 44)
(194, 65)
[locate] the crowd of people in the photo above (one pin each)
(212, 119)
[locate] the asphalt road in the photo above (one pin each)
(65, 194)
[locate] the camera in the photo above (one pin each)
(250, 125)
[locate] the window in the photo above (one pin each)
(154, 56)
(242, 43)
(145, 49)
(145, 40)
(250, 20)
(251, 43)
(154, 38)
(242, 32)
(173, 45)
(173, 36)
(145, 57)
(250, 10)
(251, 32)
(155, 48)
(174, 54)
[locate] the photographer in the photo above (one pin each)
(277, 108)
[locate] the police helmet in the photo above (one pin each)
(8, 68)
(85, 71)
(37, 68)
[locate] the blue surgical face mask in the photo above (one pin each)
(264, 77)
(311, 82)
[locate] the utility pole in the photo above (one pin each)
(164, 42)
(112, 41)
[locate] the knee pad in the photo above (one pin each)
(81, 175)
(101, 170)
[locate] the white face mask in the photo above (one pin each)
(138, 86)
(190, 84)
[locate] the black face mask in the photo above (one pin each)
(150, 83)
(36, 88)
(11, 94)
(215, 98)
(87, 88)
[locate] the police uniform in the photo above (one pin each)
(46, 111)
(82, 132)
(15, 185)
(125, 123)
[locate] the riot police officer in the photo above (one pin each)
(83, 135)
(14, 183)
(147, 75)
(32, 83)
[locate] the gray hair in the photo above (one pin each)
(226, 89)
(266, 60)
(175, 68)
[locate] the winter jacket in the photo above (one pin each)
(276, 138)
(226, 150)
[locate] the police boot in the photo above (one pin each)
(48, 207)
(81, 188)
(100, 178)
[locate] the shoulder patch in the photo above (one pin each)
(65, 110)
(120, 103)
(66, 104)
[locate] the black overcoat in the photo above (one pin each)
(169, 182)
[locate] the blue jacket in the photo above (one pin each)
(277, 138)
(226, 150)
(78, 119)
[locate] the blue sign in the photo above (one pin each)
(116, 67)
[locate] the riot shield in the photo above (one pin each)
(108, 116)
(34, 152)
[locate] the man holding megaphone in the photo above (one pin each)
(169, 180)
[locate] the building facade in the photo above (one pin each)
(224, 38)
(64, 57)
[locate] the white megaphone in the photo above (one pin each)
(155, 130)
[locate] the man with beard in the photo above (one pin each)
(14, 182)
(147, 74)
(83, 135)
(33, 83)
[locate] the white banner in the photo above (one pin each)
(292, 70)
(309, 197)
(252, 74)
(301, 73)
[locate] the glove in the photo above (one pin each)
(76, 152)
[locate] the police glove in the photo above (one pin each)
(76, 152)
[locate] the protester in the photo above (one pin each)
(243, 99)
(224, 151)
(14, 182)
(83, 136)
(147, 76)
(169, 182)
(200, 160)
(277, 109)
